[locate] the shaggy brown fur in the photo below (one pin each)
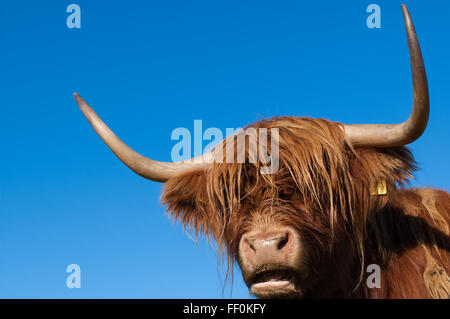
(324, 190)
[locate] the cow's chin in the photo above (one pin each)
(275, 283)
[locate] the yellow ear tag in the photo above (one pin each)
(381, 188)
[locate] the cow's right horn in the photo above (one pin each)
(147, 168)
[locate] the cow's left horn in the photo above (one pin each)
(150, 169)
(390, 135)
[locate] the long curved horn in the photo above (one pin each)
(390, 135)
(150, 169)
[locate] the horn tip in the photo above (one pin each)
(78, 99)
(82, 104)
(405, 9)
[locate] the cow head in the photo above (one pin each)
(285, 229)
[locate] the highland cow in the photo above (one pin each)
(336, 204)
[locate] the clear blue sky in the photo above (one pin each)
(148, 67)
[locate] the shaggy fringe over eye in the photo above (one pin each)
(315, 159)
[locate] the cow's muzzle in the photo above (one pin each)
(270, 262)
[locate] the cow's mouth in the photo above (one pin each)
(275, 283)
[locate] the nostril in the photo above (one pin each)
(250, 243)
(283, 241)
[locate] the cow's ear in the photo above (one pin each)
(393, 166)
(186, 198)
